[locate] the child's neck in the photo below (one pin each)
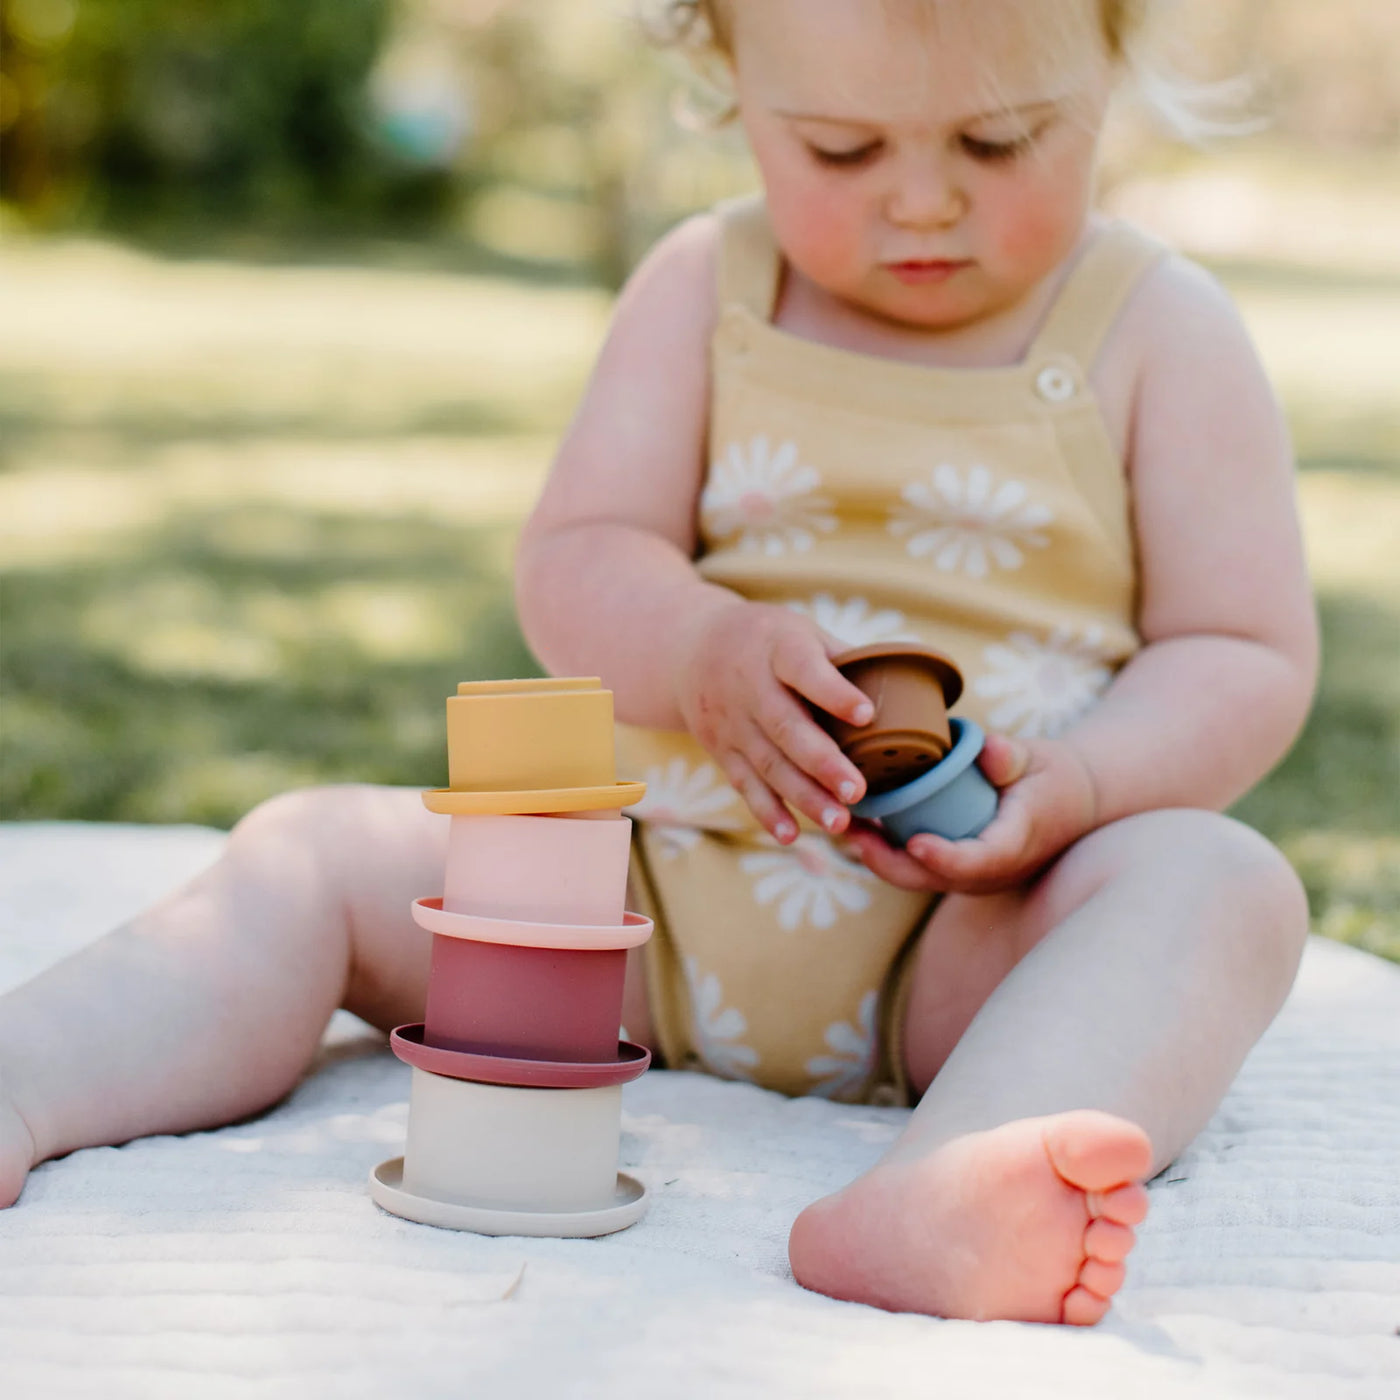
(1002, 338)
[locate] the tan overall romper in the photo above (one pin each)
(982, 511)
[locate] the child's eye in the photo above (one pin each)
(995, 152)
(857, 155)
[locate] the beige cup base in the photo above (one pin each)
(628, 1205)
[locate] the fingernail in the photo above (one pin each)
(830, 817)
(786, 831)
(848, 792)
(864, 713)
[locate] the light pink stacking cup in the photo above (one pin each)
(546, 870)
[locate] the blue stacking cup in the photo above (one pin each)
(952, 799)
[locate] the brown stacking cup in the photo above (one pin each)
(912, 687)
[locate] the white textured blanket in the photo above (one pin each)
(251, 1262)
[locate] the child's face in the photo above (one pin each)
(929, 175)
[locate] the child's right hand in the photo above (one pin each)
(739, 672)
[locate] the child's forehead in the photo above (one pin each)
(914, 61)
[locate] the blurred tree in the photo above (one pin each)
(213, 109)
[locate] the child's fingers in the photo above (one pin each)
(791, 784)
(808, 748)
(763, 802)
(890, 864)
(985, 860)
(803, 665)
(1004, 760)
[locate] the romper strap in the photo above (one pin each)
(748, 256)
(1094, 293)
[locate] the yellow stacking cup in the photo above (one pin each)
(515, 736)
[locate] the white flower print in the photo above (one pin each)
(853, 623)
(969, 523)
(680, 800)
(1044, 686)
(765, 498)
(718, 1027)
(852, 1062)
(810, 880)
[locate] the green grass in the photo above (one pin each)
(256, 522)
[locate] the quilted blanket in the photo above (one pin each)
(250, 1262)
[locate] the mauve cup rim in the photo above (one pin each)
(507, 1071)
(632, 932)
(968, 740)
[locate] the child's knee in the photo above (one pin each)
(291, 836)
(1244, 875)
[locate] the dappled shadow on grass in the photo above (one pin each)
(1286, 277)
(129, 430)
(1351, 443)
(227, 656)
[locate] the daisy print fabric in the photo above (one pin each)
(763, 499)
(1039, 687)
(809, 882)
(718, 1027)
(854, 622)
(681, 800)
(966, 521)
(846, 1068)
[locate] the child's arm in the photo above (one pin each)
(1223, 683)
(605, 582)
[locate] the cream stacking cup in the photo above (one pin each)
(517, 1067)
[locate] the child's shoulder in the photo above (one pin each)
(1179, 316)
(678, 274)
(1180, 350)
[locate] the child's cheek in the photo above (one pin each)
(1033, 234)
(820, 237)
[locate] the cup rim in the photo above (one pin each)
(943, 666)
(632, 932)
(968, 740)
(527, 686)
(536, 802)
(628, 1205)
(508, 1071)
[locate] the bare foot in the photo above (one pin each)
(16, 1149)
(1029, 1221)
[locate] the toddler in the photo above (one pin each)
(917, 389)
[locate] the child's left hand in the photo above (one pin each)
(1047, 802)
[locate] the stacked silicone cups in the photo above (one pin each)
(515, 1109)
(920, 767)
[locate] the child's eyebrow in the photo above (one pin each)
(1018, 109)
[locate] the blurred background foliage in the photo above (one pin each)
(297, 296)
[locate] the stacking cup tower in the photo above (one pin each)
(515, 1110)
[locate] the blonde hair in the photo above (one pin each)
(1130, 30)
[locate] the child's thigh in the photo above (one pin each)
(1167, 877)
(379, 849)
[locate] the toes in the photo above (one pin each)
(1096, 1151)
(1108, 1241)
(1125, 1205)
(1102, 1280)
(1082, 1308)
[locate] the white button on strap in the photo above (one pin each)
(1055, 384)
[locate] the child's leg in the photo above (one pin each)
(1131, 979)
(208, 1006)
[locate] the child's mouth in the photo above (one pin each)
(915, 273)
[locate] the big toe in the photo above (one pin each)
(1097, 1151)
(1105, 1157)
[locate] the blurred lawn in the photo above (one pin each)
(256, 522)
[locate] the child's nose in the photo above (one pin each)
(925, 196)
